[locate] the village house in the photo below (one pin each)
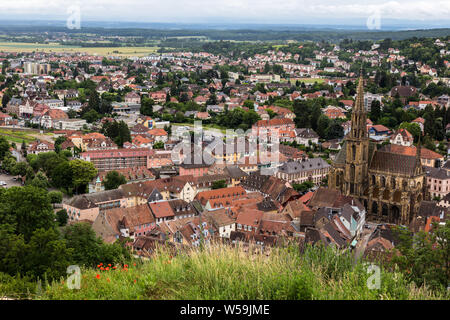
(40, 146)
(124, 222)
(314, 170)
(88, 206)
(402, 137)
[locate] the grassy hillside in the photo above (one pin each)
(222, 272)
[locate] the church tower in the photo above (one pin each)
(357, 148)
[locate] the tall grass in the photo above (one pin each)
(222, 272)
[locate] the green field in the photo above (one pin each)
(115, 51)
(308, 80)
(18, 136)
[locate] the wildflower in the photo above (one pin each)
(108, 280)
(97, 276)
(107, 268)
(109, 265)
(102, 268)
(134, 264)
(126, 266)
(114, 267)
(134, 280)
(101, 263)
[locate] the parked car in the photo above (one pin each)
(3, 183)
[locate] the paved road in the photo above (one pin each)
(362, 243)
(9, 179)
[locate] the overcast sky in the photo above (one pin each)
(253, 11)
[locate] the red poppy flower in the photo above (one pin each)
(98, 276)
(107, 268)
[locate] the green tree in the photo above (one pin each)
(158, 145)
(425, 257)
(62, 217)
(113, 180)
(55, 196)
(40, 181)
(4, 147)
(26, 209)
(82, 173)
(88, 249)
(219, 184)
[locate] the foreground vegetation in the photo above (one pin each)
(223, 272)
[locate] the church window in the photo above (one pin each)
(354, 152)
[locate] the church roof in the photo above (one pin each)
(393, 163)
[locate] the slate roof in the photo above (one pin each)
(300, 166)
(394, 163)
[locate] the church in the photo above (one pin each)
(390, 185)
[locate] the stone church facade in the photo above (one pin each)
(390, 185)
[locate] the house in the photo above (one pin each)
(306, 136)
(51, 118)
(333, 112)
(438, 181)
(220, 198)
(314, 170)
(112, 159)
(133, 98)
(6, 119)
(221, 219)
(39, 146)
(124, 222)
(402, 137)
(403, 92)
(88, 206)
(379, 132)
(421, 122)
(172, 210)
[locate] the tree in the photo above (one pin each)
(303, 187)
(62, 217)
(375, 111)
(158, 145)
(4, 147)
(219, 184)
(322, 126)
(334, 130)
(91, 116)
(55, 196)
(40, 181)
(26, 209)
(20, 169)
(113, 180)
(425, 257)
(82, 173)
(62, 176)
(88, 249)
(94, 102)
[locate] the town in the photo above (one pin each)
(356, 139)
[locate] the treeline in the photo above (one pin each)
(237, 34)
